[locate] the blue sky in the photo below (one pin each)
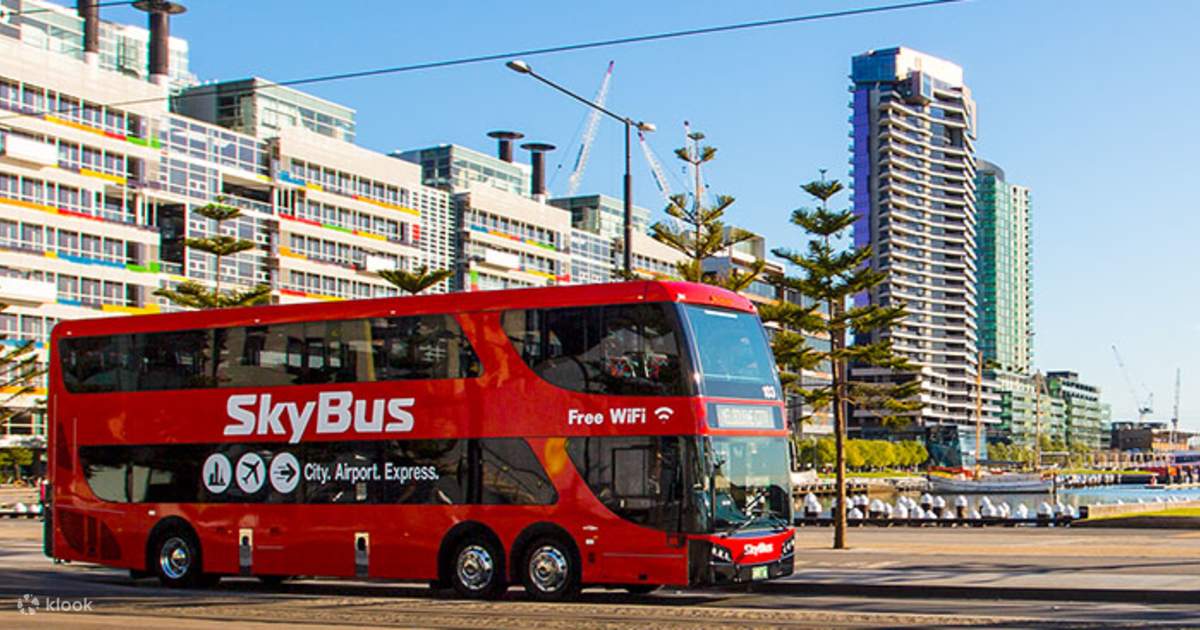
(1089, 103)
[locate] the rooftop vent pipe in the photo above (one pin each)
(505, 150)
(89, 10)
(537, 156)
(160, 12)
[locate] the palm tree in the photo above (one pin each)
(414, 282)
(193, 294)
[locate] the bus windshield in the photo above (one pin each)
(732, 354)
(748, 482)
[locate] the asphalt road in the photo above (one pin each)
(118, 602)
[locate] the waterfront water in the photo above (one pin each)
(1074, 496)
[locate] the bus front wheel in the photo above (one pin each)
(551, 570)
(477, 569)
(176, 559)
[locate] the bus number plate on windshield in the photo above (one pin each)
(759, 573)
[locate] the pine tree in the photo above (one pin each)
(193, 294)
(702, 234)
(831, 276)
(414, 282)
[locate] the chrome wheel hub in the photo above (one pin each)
(175, 559)
(475, 567)
(548, 569)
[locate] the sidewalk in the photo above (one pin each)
(1055, 564)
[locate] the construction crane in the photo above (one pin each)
(1175, 411)
(1143, 409)
(660, 179)
(589, 134)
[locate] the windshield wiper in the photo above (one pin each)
(758, 496)
(776, 522)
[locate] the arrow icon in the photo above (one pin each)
(285, 472)
(288, 472)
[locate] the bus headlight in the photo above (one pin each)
(788, 547)
(722, 554)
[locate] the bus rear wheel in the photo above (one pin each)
(550, 570)
(477, 569)
(176, 560)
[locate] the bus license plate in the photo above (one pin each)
(759, 573)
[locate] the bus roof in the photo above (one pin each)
(459, 302)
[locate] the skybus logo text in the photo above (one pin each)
(334, 412)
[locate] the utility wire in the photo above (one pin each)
(99, 5)
(532, 52)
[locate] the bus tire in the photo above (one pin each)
(476, 568)
(550, 569)
(176, 559)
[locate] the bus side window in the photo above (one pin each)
(98, 364)
(174, 360)
(346, 457)
(106, 469)
(263, 356)
(425, 472)
(616, 349)
(511, 474)
(421, 347)
(638, 478)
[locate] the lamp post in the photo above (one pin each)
(524, 68)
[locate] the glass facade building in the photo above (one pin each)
(603, 215)
(124, 48)
(455, 168)
(1005, 270)
(261, 108)
(1086, 416)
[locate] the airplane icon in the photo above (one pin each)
(251, 469)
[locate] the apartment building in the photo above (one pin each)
(913, 158)
(1086, 417)
(77, 237)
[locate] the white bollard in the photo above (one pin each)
(960, 506)
(1044, 514)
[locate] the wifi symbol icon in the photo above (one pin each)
(664, 413)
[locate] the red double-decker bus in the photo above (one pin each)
(627, 435)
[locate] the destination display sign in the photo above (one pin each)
(761, 417)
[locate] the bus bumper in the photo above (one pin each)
(705, 570)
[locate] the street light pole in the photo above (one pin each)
(628, 208)
(524, 68)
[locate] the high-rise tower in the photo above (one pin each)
(914, 193)
(1005, 270)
